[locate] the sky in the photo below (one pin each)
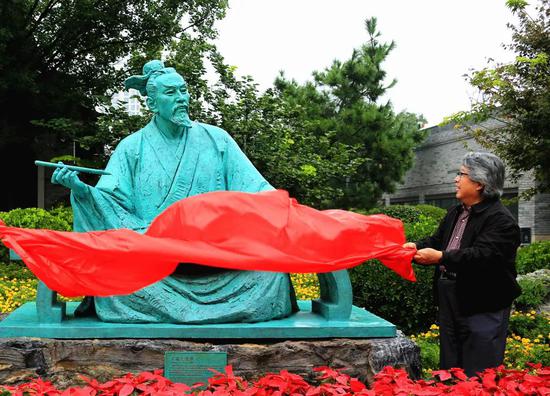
(437, 42)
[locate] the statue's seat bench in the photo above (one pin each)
(332, 315)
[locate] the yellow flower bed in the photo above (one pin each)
(528, 348)
(306, 286)
(430, 335)
(15, 292)
(520, 350)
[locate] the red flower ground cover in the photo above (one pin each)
(534, 380)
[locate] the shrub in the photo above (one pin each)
(58, 219)
(408, 305)
(520, 351)
(405, 213)
(424, 227)
(16, 270)
(529, 339)
(410, 214)
(533, 257)
(65, 214)
(429, 356)
(429, 349)
(37, 218)
(533, 292)
(434, 212)
(529, 325)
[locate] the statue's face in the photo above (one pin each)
(172, 99)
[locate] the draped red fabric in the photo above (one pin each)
(266, 231)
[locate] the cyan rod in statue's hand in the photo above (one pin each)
(72, 167)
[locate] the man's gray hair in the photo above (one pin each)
(488, 170)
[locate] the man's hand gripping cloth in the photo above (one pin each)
(265, 231)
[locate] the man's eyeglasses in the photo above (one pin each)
(460, 174)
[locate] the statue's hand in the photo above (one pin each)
(69, 179)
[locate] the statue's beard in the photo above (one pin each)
(181, 118)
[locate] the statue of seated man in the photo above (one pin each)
(170, 159)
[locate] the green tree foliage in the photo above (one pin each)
(286, 154)
(60, 59)
(342, 106)
(300, 137)
(518, 94)
(263, 124)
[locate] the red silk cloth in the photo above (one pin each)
(266, 231)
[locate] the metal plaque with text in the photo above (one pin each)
(192, 367)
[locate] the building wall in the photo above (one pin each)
(431, 179)
(542, 216)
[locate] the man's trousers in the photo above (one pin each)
(474, 342)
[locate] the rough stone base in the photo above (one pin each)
(60, 361)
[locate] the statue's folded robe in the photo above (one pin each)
(265, 231)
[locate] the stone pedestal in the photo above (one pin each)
(60, 361)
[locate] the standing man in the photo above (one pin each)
(474, 252)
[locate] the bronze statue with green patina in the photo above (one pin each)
(170, 159)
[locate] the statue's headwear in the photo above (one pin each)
(151, 70)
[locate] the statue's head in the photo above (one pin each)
(166, 92)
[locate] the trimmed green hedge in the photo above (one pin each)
(57, 219)
(65, 216)
(410, 214)
(60, 219)
(408, 305)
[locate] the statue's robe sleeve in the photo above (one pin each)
(109, 204)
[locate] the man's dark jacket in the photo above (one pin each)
(485, 263)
